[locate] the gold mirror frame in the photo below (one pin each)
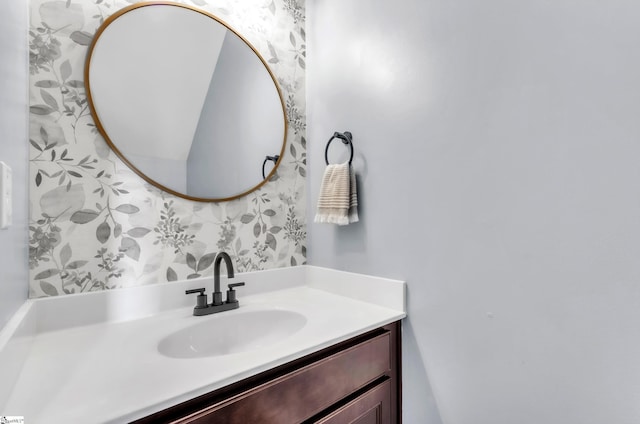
(122, 157)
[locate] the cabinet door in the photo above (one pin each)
(372, 407)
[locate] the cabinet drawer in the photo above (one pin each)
(303, 393)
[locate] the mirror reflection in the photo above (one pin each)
(186, 102)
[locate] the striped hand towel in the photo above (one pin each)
(338, 199)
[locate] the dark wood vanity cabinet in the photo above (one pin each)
(356, 381)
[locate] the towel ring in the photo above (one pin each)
(346, 138)
(268, 158)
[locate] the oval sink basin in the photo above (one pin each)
(227, 334)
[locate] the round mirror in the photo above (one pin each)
(185, 101)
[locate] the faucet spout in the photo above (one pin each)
(217, 294)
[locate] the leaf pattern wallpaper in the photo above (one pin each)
(96, 225)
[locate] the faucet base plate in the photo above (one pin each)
(213, 309)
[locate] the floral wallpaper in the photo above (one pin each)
(94, 224)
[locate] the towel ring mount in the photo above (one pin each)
(346, 137)
(266, 159)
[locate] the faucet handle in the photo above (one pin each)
(231, 293)
(201, 299)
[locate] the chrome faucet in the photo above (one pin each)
(217, 305)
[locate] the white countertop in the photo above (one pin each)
(112, 372)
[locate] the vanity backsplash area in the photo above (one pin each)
(97, 225)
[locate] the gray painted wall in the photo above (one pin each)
(240, 124)
(168, 172)
(13, 152)
(497, 145)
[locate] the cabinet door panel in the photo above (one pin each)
(373, 407)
